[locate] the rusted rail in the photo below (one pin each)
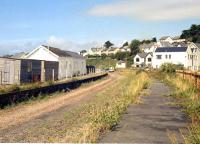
(24, 95)
(191, 76)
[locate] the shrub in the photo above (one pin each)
(168, 68)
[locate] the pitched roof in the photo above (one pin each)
(63, 53)
(146, 46)
(164, 37)
(176, 38)
(198, 45)
(165, 44)
(143, 55)
(171, 49)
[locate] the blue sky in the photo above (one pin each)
(78, 24)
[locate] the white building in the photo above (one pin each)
(143, 60)
(120, 65)
(194, 56)
(166, 39)
(175, 55)
(95, 51)
(70, 63)
(177, 39)
(148, 48)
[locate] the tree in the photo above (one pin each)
(122, 55)
(103, 56)
(108, 44)
(154, 39)
(192, 34)
(125, 44)
(134, 46)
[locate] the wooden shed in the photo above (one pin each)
(18, 71)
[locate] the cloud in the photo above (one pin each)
(27, 45)
(150, 10)
(12, 47)
(69, 45)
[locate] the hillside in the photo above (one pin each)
(102, 63)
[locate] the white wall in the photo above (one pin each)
(41, 53)
(68, 66)
(193, 56)
(141, 61)
(121, 65)
(176, 58)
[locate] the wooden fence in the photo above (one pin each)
(24, 95)
(191, 76)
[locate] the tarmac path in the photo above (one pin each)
(154, 121)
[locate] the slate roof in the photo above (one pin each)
(165, 44)
(146, 46)
(143, 55)
(63, 53)
(198, 45)
(164, 37)
(171, 49)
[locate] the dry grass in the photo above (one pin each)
(28, 110)
(91, 120)
(189, 98)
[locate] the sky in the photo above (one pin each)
(81, 24)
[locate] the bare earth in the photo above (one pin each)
(23, 113)
(155, 121)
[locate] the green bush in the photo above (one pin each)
(168, 68)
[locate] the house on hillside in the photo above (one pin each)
(70, 63)
(166, 39)
(120, 64)
(194, 56)
(95, 51)
(125, 49)
(147, 48)
(177, 39)
(175, 55)
(164, 44)
(143, 60)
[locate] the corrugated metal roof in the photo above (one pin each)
(171, 49)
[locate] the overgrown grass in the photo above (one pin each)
(188, 97)
(100, 115)
(44, 97)
(102, 63)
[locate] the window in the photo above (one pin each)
(166, 56)
(149, 59)
(137, 59)
(159, 56)
(170, 56)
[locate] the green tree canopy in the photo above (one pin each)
(108, 44)
(134, 46)
(125, 44)
(192, 34)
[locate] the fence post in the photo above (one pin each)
(1, 77)
(53, 75)
(196, 82)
